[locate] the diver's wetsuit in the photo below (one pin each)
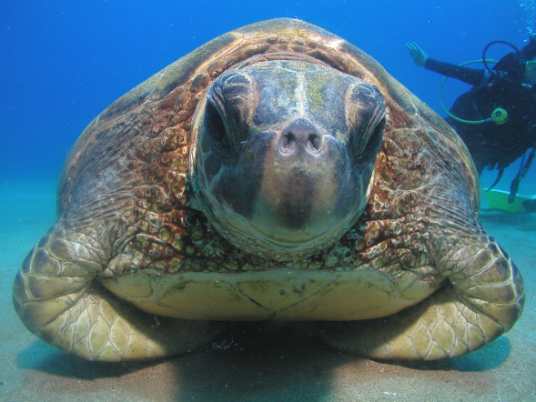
(492, 145)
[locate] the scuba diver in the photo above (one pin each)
(496, 118)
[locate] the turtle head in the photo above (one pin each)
(284, 155)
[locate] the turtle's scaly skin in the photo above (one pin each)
(130, 229)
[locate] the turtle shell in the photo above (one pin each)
(145, 135)
(128, 176)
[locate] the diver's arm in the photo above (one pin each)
(471, 76)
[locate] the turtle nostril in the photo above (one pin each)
(288, 139)
(288, 143)
(300, 136)
(314, 141)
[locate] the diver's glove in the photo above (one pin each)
(416, 52)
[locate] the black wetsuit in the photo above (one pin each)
(492, 145)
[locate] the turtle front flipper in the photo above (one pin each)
(58, 298)
(483, 299)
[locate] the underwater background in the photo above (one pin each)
(63, 62)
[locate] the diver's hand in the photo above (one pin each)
(416, 52)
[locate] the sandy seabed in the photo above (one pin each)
(273, 366)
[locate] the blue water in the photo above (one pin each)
(63, 61)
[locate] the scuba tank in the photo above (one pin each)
(499, 115)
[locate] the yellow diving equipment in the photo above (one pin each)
(499, 200)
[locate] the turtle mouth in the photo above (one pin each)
(283, 242)
(264, 242)
(306, 241)
(257, 238)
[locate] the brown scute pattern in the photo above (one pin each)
(180, 70)
(130, 168)
(396, 245)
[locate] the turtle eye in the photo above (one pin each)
(374, 141)
(215, 126)
(231, 96)
(365, 118)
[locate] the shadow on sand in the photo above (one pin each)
(248, 364)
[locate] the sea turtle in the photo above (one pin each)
(275, 173)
